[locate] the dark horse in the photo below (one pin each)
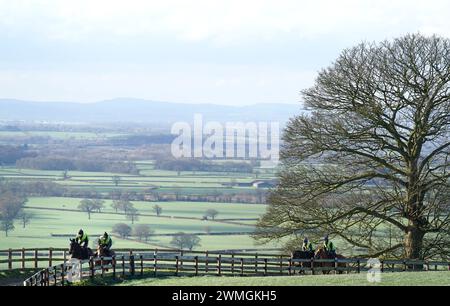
(302, 255)
(77, 252)
(322, 254)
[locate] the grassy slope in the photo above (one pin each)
(37, 233)
(388, 279)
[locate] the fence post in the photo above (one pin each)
(114, 266)
(55, 271)
(62, 273)
(281, 264)
(404, 265)
(155, 262)
(142, 264)
(23, 258)
(47, 274)
(256, 264)
(232, 264)
(132, 269)
(358, 262)
(265, 266)
(102, 262)
(219, 265)
(382, 266)
(36, 259)
(335, 265)
(196, 265)
(50, 257)
(206, 262)
(181, 260)
(176, 265)
(9, 259)
(65, 256)
(290, 266)
(41, 278)
(123, 266)
(312, 266)
(91, 266)
(242, 266)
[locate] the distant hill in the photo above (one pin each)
(135, 110)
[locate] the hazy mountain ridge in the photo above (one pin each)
(136, 110)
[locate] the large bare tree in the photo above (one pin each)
(370, 163)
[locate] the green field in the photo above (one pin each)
(201, 182)
(60, 215)
(47, 221)
(387, 279)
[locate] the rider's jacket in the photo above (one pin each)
(82, 238)
(105, 242)
(307, 247)
(328, 246)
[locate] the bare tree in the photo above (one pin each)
(157, 209)
(7, 225)
(122, 229)
(25, 218)
(11, 206)
(373, 155)
(116, 180)
(211, 213)
(90, 206)
(182, 240)
(142, 231)
(132, 214)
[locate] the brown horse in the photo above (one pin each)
(102, 252)
(321, 253)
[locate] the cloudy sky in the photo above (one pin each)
(223, 52)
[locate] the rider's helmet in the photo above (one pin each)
(105, 235)
(80, 232)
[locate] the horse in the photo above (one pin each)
(77, 252)
(302, 255)
(321, 253)
(103, 252)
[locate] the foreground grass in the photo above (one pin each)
(15, 277)
(387, 279)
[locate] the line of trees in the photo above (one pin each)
(141, 231)
(91, 206)
(202, 165)
(182, 240)
(67, 164)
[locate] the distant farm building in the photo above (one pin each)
(256, 184)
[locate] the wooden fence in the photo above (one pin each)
(130, 263)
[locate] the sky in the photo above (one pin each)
(222, 52)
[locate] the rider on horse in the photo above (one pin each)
(329, 246)
(82, 239)
(307, 246)
(105, 242)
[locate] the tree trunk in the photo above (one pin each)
(414, 242)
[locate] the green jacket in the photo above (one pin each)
(329, 246)
(105, 242)
(84, 239)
